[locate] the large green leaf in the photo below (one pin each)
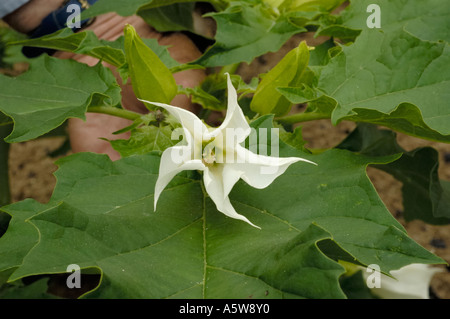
(52, 91)
(259, 32)
(425, 19)
(390, 76)
(187, 249)
(394, 79)
(425, 196)
(372, 80)
(20, 237)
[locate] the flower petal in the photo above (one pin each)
(174, 160)
(411, 282)
(234, 119)
(212, 178)
(187, 119)
(231, 175)
(259, 170)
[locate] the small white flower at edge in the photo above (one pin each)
(411, 282)
(219, 155)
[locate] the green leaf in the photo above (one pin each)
(259, 32)
(321, 54)
(330, 25)
(20, 237)
(367, 139)
(426, 20)
(294, 139)
(34, 290)
(425, 197)
(151, 79)
(5, 194)
(163, 54)
(176, 17)
(145, 139)
(373, 81)
(355, 287)
(85, 42)
(305, 5)
(52, 91)
(10, 55)
(126, 8)
(211, 93)
(290, 71)
(332, 213)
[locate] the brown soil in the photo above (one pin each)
(31, 169)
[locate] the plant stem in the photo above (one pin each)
(302, 117)
(111, 110)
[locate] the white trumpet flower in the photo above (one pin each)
(411, 282)
(219, 154)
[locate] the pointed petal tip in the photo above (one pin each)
(248, 222)
(154, 103)
(257, 227)
(306, 161)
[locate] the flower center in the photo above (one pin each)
(208, 156)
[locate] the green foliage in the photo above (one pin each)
(372, 79)
(118, 234)
(85, 42)
(425, 197)
(176, 17)
(45, 96)
(147, 134)
(259, 32)
(313, 219)
(211, 93)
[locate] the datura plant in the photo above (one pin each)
(174, 216)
